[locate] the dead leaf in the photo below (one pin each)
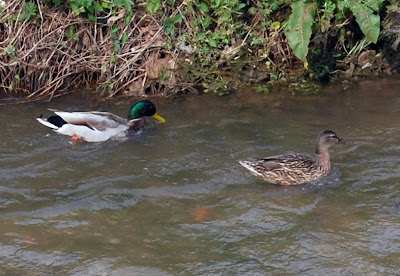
(157, 67)
(116, 17)
(364, 57)
(201, 213)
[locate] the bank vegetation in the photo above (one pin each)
(161, 47)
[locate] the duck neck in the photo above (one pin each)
(322, 156)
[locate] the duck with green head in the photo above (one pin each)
(96, 126)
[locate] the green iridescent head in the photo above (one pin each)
(144, 108)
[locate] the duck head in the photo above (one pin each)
(326, 139)
(144, 108)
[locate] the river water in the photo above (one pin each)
(174, 200)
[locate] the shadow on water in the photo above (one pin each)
(173, 200)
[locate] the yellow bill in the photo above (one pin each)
(159, 118)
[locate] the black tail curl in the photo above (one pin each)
(56, 120)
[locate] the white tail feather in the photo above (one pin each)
(46, 123)
(247, 165)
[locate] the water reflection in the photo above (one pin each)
(174, 201)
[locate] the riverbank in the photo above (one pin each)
(154, 47)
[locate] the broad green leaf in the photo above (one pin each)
(177, 18)
(169, 29)
(216, 36)
(275, 25)
(92, 17)
(124, 37)
(374, 4)
(170, 22)
(212, 43)
(153, 8)
(84, 3)
(204, 7)
(97, 7)
(369, 23)
(90, 9)
(298, 30)
(341, 5)
(225, 16)
(128, 5)
(253, 10)
(274, 6)
(128, 19)
(117, 3)
(117, 46)
(71, 31)
(114, 30)
(106, 5)
(206, 22)
(10, 49)
(240, 6)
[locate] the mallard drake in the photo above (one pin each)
(295, 169)
(95, 126)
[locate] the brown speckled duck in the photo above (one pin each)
(295, 169)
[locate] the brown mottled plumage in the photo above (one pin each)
(295, 169)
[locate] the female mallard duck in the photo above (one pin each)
(98, 126)
(295, 169)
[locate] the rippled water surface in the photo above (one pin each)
(175, 201)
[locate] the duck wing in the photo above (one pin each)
(289, 169)
(288, 161)
(94, 119)
(279, 163)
